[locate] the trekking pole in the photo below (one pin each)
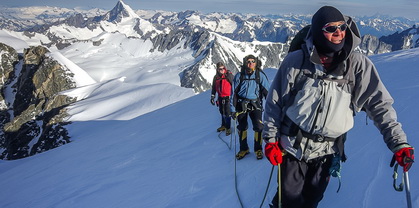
(231, 136)
(407, 185)
(279, 187)
(405, 182)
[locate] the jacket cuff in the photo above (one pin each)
(270, 140)
(399, 147)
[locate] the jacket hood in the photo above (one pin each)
(352, 40)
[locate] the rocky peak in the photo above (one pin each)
(32, 118)
(406, 39)
(371, 45)
(8, 58)
(120, 11)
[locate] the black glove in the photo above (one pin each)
(212, 99)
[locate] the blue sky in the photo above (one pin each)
(403, 8)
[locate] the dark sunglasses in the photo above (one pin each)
(250, 61)
(221, 68)
(332, 28)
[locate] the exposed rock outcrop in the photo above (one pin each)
(33, 108)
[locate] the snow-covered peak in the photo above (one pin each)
(124, 20)
(120, 11)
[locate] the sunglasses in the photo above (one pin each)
(251, 61)
(221, 68)
(332, 28)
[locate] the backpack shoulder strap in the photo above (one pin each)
(257, 76)
(295, 86)
(350, 75)
(262, 91)
(236, 90)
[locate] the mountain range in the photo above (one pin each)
(58, 27)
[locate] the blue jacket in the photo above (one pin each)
(249, 88)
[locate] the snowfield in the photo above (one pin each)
(172, 156)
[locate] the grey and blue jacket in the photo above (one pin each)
(368, 94)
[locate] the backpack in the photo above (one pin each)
(299, 39)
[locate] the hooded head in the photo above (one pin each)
(323, 16)
(219, 64)
(250, 63)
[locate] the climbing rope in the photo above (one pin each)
(235, 164)
(231, 139)
(267, 187)
(235, 168)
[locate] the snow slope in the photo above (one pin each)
(12, 41)
(172, 157)
(128, 80)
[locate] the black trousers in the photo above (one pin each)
(224, 107)
(303, 183)
(256, 117)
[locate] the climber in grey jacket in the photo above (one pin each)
(311, 103)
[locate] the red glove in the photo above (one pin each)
(273, 153)
(405, 157)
